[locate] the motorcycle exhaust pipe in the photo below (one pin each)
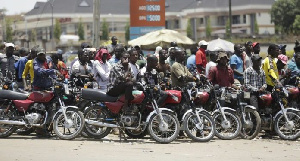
(10, 122)
(96, 123)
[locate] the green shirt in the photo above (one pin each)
(177, 71)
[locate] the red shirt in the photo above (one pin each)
(201, 58)
(221, 76)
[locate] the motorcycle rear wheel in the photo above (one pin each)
(68, 133)
(227, 133)
(167, 135)
(280, 126)
(6, 130)
(207, 131)
(251, 132)
(96, 113)
(136, 134)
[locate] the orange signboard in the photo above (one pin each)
(147, 13)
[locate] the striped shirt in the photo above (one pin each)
(253, 80)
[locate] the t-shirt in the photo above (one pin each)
(201, 58)
(134, 69)
(236, 60)
(270, 68)
(221, 76)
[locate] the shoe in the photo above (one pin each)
(42, 133)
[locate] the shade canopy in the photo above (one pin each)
(216, 44)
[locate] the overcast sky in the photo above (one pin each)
(18, 6)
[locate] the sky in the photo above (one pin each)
(18, 6)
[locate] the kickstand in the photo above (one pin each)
(122, 133)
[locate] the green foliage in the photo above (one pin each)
(256, 29)
(283, 13)
(9, 30)
(104, 30)
(208, 29)
(227, 29)
(33, 35)
(80, 30)
(189, 31)
(296, 25)
(127, 31)
(57, 29)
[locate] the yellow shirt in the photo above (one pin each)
(28, 68)
(270, 68)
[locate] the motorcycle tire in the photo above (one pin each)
(280, 126)
(206, 131)
(235, 124)
(136, 134)
(166, 135)
(6, 130)
(251, 132)
(62, 130)
(96, 113)
(25, 131)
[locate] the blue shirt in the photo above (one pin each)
(41, 75)
(236, 60)
(292, 66)
(113, 60)
(191, 61)
(20, 66)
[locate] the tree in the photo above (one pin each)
(283, 14)
(189, 31)
(127, 31)
(227, 29)
(80, 30)
(208, 29)
(57, 29)
(296, 25)
(33, 35)
(9, 30)
(256, 28)
(104, 30)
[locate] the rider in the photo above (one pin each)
(7, 63)
(294, 67)
(60, 66)
(162, 65)
(29, 68)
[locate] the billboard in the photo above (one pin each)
(146, 16)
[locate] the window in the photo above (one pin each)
(201, 21)
(167, 24)
(244, 19)
(222, 20)
(236, 19)
(176, 24)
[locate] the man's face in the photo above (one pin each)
(134, 57)
(213, 57)
(163, 54)
(104, 57)
(118, 52)
(41, 57)
(275, 52)
(256, 48)
(239, 50)
(249, 47)
(180, 55)
(114, 41)
(223, 61)
(125, 59)
(152, 64)
(9, 51)
(85, 56)
(256, 63)
(204, 47)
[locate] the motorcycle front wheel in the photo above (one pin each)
(70, 127)
(96, 113)
(163, 131)
(5, 129)
(287, 130)
(227, 129)
(251, 125)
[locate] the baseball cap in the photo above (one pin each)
(85, 45)
(41, 51)
(254, 44)
(9, 45)
(283, 58)
(282, 47)
(255, 57)
(249, 43)
(221, 55)
(202, 42)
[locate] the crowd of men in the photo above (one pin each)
(116, 68)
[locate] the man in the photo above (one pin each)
(246, 57)
(112, 46)
(179, 72)
(256, 48)
(42, 71)
(294, 67)
(7, 62)
(120, 81)
(132, 62)
(255, 79)
(171, 59)
(201, 56)
(141, 60)
(174, 44)
(20, 66)
(119, 49)
(212, 63)
(162, 65)
(29, 68)
(282, 49)
(236, 63)
(281, 65)
(191, 61)
(270, 67)
(221, 74)
(60, 66)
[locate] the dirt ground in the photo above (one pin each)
(31, 148)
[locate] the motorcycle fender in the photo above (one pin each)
(224, 109)
(66, 108)
(160, 109)
(288, 109)
(250, 107)
(190, 111)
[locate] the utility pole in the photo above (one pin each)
(52, 35)
(230, 20)
(96, 23)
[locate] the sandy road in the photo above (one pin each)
(31, 148)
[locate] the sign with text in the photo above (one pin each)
(145, 14)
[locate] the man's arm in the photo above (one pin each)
(42, 72)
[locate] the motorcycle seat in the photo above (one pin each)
(12, 95)
(97, 95)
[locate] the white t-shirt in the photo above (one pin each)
(208, 65)
(78, 69)
(135, 69)
(101, 73)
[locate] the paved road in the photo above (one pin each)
(31, 148)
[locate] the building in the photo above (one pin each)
(245, 13)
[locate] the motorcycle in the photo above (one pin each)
(294, 93)
(38, 109)
(277, 116)
(106, 113)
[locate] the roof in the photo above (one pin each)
(122, 6)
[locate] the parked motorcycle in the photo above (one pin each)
(106, 113)
(39, 109)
